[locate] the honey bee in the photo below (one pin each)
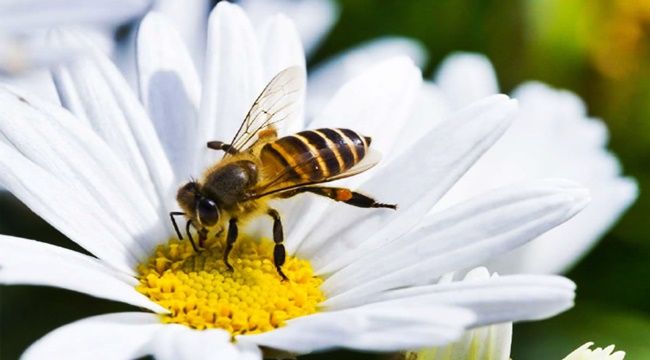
(258, 166)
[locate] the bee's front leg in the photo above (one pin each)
(279, 252)
(188, 229)
(230, 241)
(203, 235)
(171, 216)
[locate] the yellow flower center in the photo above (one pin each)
(200, 292)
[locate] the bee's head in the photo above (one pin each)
(198, 207)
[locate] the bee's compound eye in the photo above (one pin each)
(208, 212)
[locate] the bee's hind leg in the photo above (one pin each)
(279, 252)
(233, 232)
(340, 194)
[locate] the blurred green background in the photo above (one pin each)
(598, 49)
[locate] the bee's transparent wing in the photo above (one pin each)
(286, 180)
(279, 100)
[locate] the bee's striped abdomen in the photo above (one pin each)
(315, 155)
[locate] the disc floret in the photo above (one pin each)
(200, 291)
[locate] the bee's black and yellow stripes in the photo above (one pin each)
(315, 155)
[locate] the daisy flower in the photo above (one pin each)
(103, 169)
(585, 353)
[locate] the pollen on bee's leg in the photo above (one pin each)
(343, 194)
(201, 293)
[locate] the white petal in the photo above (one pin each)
(29, 262)
(68, 176)
(281, 48)
(568, 243)
(21, 54)
(501, 336)
(113, 336)
(388, 326)
(550, 125)
(327, 78)
(313, 18)
(498, 299)
(180, 342)
(431, 109)
(232, 77)
(489, 343)
(414, 181)
(26, 15)
(169, 89)
(465, 78)
(464, 236)
(37, 82)
(134, 335)
(249, 351)
(72, 214)
(190, 18)
(377, 104)
(94, 90)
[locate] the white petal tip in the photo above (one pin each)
(465, 58)
(479, 273)
(226, 6)
(580, 197)
(501, 99)
(281, 19)
(511, 103)
(577, 196)
(225, 9)
(153, 18)
(501, 107)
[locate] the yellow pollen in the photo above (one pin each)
(200, 292)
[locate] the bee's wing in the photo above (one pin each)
(286, 180)
(280, 99)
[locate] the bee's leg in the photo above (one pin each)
(171, 216)
(189, 234)
(230, 241)
(203, 235)
(340, 194)
(279, 253)
(219, 145)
